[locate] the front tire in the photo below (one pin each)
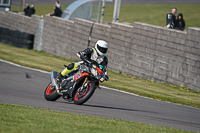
(80, 98)
(51, 95)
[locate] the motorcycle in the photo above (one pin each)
(78, 85)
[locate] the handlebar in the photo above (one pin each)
(93, 62)
(86, 60)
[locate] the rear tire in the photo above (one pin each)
(86, 96)
(50, 95)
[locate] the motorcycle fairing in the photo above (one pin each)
(53, 75)
(76, 78)
(80, 75)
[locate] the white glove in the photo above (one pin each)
(102, 79)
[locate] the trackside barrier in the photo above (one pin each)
(16, 38)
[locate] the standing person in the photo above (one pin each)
(58, 5)
(171, 19)
(32, 10)
(180, 23)
(26, 10)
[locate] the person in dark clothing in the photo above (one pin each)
(58, 5)
(31, 10)
(26, 10)
(180, 23)
(171, 19)
(57, 12)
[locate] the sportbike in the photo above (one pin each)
(78, 85)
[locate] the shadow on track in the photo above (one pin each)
(114, 108)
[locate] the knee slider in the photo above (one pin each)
(70, 66)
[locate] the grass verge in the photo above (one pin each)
(23, 119)
(47, 62)
(150, 14)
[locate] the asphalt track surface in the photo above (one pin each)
(24, 86)
(123, 2)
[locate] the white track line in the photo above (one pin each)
(100, 86)
(24, 66)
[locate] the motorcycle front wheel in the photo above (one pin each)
(85, 94)
(51, 95)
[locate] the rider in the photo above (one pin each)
(96, 54)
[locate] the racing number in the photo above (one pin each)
(77, 76)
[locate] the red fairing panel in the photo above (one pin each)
(79, 75)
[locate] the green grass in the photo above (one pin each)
(150, 14)
(33, 58)
(161, 91)
(23, 119)
(156, 14)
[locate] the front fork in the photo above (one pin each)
(53, 81)
(84, 85)
(53, 78)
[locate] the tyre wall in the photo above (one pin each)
(141, 50)
(16, 38)
(21, 23)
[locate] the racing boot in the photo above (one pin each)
(57, 81)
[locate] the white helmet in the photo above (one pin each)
(101, 47)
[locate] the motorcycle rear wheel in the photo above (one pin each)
(51, 95)
(80, 98)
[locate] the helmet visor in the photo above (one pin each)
(103, 50)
